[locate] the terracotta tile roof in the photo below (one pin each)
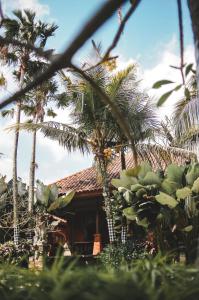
(86, 181)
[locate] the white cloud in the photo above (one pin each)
(35, 5)
(162, 70)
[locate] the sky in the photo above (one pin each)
(150, 39)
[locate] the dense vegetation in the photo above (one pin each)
(146, 279)
(110, 115)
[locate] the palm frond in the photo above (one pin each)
(162, 156)
(67, 136)
(186, 117)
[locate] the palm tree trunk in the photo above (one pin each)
(135, 154)
(15, 188)
(32, 173)
(107, 198)
(15, 177)
(123, 160)
(194, 12)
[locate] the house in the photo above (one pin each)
(85, 231)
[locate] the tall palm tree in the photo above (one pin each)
(37, 106)
(194, 12)
(26, 29)
(94, 128)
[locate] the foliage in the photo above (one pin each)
(188, 90)
(47, 198)
(6, 203)
(146, 280)
(116, 255)
(166, 203)
(11, 254)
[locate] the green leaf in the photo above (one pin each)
(169, 186)
(141, 192)
(195, 187)
(129, 213)
(54, 192)
(174, 173)
(62, 201)
(42, 193)
(150, 179)
(165, 199)
(3, 185)
(144, 169)
(192, 174)
(187, 93)
(125, 181)
(177, 88)
(160, 83)
(121, 189)
(187, 228)
(133, 172)
(183, 193)
(188, 69)
(128, 196)
(144, 222)
(164, 97)
(136, 187)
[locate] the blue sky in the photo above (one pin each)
(151, 26)
(150, 38)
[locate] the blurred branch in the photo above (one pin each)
(134, 5)
(181, 40)
(45, 54)
(64, 60)
(1, 14)
(101, 62)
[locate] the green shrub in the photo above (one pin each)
(146, 280)
(117, 254)
(11, 254)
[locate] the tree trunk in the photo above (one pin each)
(15, 177)
(107, 198)
(15, 187)
(194, 12)
(32, 174)
(123, 160)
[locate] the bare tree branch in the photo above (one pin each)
(181, 40)
(101, 62)
(133, 7)
(63, 61)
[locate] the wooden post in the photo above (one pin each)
(97, 245)
(97, 221)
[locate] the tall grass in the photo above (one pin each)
(145, 279)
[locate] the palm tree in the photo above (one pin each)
(26, 29)
(94, 129)
(194, 12)
(36, 106)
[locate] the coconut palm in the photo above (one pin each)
(194, 13)
(94, 129)
(36, 107)
(26, 29)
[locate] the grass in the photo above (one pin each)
(145, 279)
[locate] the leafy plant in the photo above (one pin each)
(164, 203)
(116, 255)
(11, 254)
